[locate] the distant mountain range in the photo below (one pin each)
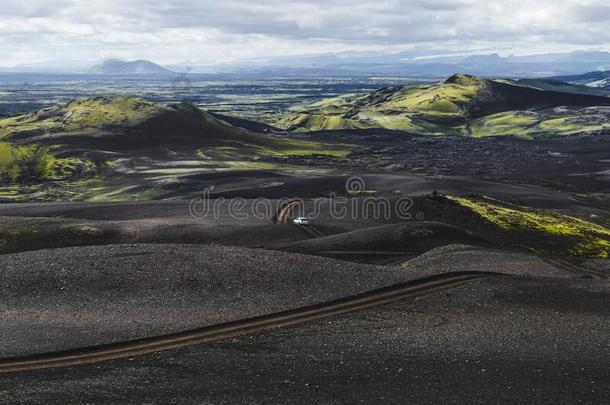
(415, 63)
(136, 67)
(597, 79)
(410, 63)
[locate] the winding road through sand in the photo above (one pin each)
(240, 327)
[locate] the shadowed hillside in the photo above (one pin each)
(125, 123)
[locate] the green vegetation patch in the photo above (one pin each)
(441, 99)
(304, 121)
(18, 234)
(81, 115)
(103, 111)
(21, 163)
(283, 148)
(544, 123)
(34, 162)
(580, 237)
(294, 147)
(516, 123)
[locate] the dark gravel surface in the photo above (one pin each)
(500, 340)
(471, 258)
(25, 227)
(572, 163)
(397, 184)
(71, 297)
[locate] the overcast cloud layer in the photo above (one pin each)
(220, 31)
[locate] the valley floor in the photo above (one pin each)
(531, 328)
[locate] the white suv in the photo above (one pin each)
(300, 221)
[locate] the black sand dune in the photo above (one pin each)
(459, 257)
(506, 339)
(369, 228)
(82, 296)
(388, 241)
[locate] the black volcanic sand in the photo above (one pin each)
(500, 340)
(31, 233)
(538, 196)
(384, 243)
(33, 226)
(309, 187)
(63, 298)
(575, 164)
(538, 335)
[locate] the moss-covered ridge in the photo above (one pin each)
(83, 138)
(79, 116)
(540, 230)
(461, 105)
(127, 123)
(121, 122)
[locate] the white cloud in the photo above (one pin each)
(211, 30)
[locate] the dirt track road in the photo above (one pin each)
(240, 327)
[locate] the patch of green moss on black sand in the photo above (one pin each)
(19, 234)
(541, 230)
(35, 162)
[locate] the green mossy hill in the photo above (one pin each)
(80, 138)
(80, 116)
(541, 230)
(452, 107)
(125, 124)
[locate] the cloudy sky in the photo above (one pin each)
(214, 31)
